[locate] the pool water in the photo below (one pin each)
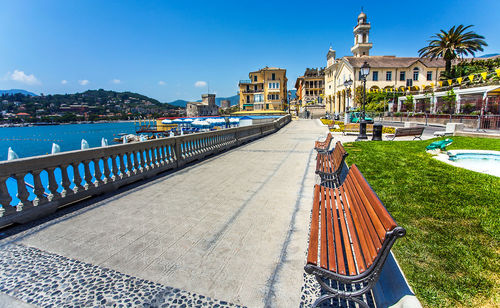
(480, 161)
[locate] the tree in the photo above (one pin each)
(452, 44)
(450, 99)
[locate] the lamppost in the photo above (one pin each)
(289, 101)
(365, 70)
(347, 85)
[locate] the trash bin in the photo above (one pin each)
(377, 132)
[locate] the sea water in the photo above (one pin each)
(37, 140)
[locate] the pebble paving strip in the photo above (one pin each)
(49, 280)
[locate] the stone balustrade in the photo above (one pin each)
(45, 183)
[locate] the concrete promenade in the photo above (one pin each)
(232, 228)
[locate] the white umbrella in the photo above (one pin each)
(104, 142)
(166, 121)
(177, 121)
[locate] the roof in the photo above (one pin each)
(269, 69)
(393, 61)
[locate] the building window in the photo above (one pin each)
(273, 97)
(402, 76)
(429, 76)
(273, 76)
(415, 74)
(258, 98)
(375, 76)
(267, 106)
(360, 76)
(255, 78)
(388, 76)
(274, 85)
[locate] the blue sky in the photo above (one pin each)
(173, 49)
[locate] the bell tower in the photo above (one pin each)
(362, 45)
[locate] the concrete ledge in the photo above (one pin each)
(477, 134)
(392, 288)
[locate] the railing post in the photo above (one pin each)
(5, 198)
(77, 179)
(39, 190)
(107, 172)
(65, 183)
(22, 193)
(178, 152)
(53, 186)
(88, 176)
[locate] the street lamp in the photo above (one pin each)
(365, 70)
(289, 102)
(347, 85)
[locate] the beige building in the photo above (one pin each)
(265, 90)
(206, 107)
(311, 86)
(386, 72)
(225, 104)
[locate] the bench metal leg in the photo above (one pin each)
(331, 296)
(346, 295)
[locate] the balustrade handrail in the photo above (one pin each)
(95, 171)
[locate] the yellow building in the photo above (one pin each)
(311, 86)
(386, 72)
(265, 90)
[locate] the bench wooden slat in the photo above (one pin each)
(312, 253)
(332, 264)
(368, 207)
(345, 235)
(379, 208)
(354, 236)
(338, 241)
(364, 221)
(368, 250)
(324, 222)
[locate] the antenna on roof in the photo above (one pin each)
(361, 8)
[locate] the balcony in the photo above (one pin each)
(245, 81)
(252, 91)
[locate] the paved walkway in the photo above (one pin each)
(228, 230)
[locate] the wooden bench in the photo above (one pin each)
(323, 146)
(408, 131)
(350, 238)
(354, 128)
(329, 165)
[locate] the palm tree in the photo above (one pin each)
(456, 43)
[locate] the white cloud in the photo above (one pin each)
(116, 81)
(20, 76)
(64, 81)
(162, 83)
(83, 82)
(200, 84)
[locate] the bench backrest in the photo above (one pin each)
(408, 131)
(339, 154)
(353, 213)
(329, 138)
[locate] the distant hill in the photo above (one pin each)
(489, 55)
(179, 103)
(17, 91)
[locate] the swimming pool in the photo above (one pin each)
(476, 160)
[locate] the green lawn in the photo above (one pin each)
(451, 252)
